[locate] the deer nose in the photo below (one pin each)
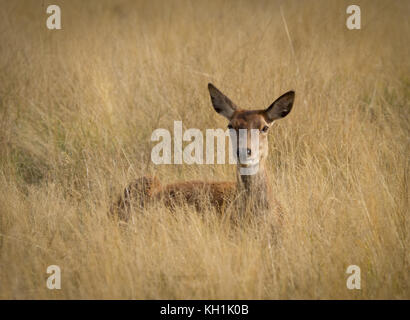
(248, 152)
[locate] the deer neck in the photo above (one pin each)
(255, 188)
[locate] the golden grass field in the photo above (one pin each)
(78, 106)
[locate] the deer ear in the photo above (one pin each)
(221, 103)
(281, 107)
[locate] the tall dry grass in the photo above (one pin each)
(78, 106)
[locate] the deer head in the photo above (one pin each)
(245, 123)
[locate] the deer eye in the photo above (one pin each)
(265, 129)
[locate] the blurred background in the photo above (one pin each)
(78, 107)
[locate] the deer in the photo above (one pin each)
(250, 193)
